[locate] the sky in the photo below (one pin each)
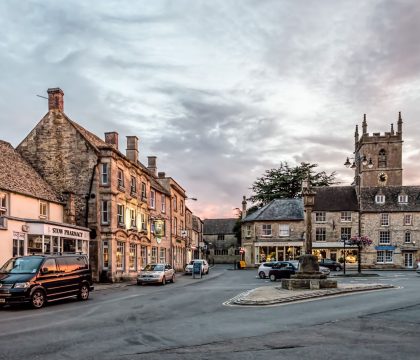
(218, 90)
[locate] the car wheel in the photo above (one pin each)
(272, 277)
(338, 268)
(38, 299)
(173, 278)
(262, 275)
(163, 281)
(83, 292)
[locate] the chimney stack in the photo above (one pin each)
(132, 151)
(55, 99)
(151, 164)
(161, 175)
(111, 138)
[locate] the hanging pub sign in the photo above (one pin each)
(159, 228)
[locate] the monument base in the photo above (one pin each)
(308, 276)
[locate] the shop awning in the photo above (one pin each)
(385, 247)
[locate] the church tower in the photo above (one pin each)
(380, 156)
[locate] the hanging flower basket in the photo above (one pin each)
(361, 241)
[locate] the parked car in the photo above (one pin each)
(282, 270)
(322, 269)
(204, 266)
(265, 268)
(418, 268)
(38, 279)
(331, 264)
(156, 273)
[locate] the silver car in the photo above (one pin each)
(156, 273)
(204, 266)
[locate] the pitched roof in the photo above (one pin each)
(17, 175)
(391, 199)
(278, 209)
(218, 226)
(335, 198)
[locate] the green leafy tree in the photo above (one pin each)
(286, 182)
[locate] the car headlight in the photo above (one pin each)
(23, 285)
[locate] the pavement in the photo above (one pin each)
(270, 295)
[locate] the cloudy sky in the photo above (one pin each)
(218, 90)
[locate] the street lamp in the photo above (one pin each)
(358, 162)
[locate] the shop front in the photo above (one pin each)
(44, 238)
(277, 251)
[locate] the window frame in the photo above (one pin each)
(384, 220)
(379, 199)
(43, 205)
(120, 178)
(120, 214)
(320, 216)
(407, 237)
(284, 230)
(408, 217)
(132, 257)
(344, 231)
(104, 173)
(163, 204)
(120, 265)
(346, 216)
(384, 237)
(403, 199)
(321, 234)
(152, 198)
(105, 211)
(133, 185)
(266, 230)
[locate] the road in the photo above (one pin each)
(187, 320)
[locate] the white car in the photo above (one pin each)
(204, 266)
(265, 268)
(156, 273)
(418, 268)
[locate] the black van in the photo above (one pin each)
(37, 279)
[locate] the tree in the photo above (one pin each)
(361, 242)
(286, 182)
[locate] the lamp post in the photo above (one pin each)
(358, 162)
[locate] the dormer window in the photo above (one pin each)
(402, 199)
(382, 159)
(380, 199)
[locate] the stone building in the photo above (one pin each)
(32, 213)
(120, 200)
(335, 218)
(274, 233)
(177, 215)
(197, 238)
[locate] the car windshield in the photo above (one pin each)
(154, 267)
(22, 265)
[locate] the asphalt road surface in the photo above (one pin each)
(188, 320)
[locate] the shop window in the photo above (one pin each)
(320, 234)
(105, 252)
(346, 216)
(143, 256)
(384, 237)
(320, 216)
(132, 256)
(104, 174)
(384, 257)
(120, 255)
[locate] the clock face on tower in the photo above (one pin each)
(382, 178)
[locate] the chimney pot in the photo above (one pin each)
(161, 175)
(111, 138)
(55, 99)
